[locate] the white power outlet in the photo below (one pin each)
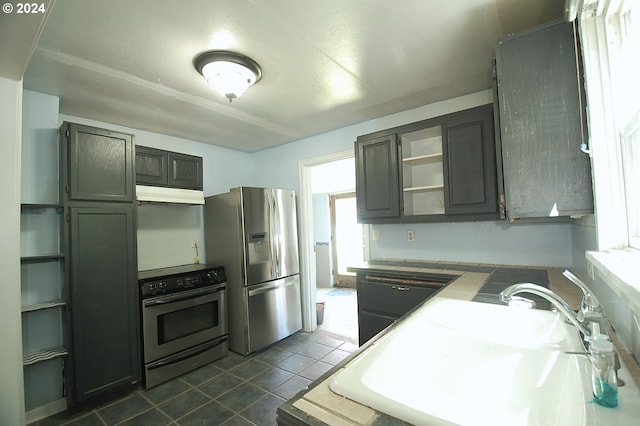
(411, 235)
(375, 235)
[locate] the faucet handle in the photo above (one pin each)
(590, 304)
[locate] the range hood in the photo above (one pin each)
(158, 194)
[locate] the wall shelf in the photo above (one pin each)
(428, 188)
(44, 355)
(44, 305)
(34, 206)
(423, 159)
(42, 258)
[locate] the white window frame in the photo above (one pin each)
(604, 26)
(630, 146)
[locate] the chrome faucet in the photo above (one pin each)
(590, 309)
(555, 300)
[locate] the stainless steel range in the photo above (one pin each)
(184, 319)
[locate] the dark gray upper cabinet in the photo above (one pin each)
(157, 167)
(185, 171)
(103, 277)
(435, 170)
(377, 179)
(542, 123)
(470, 163)
(151, 166)
(98, 164)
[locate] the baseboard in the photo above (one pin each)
(47, 410)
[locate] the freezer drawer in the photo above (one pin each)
(275, 311)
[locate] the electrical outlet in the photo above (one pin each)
(411, 236)
(375, 235)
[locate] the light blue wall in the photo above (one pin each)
(477, 242)
(39, 148)
(623, 318)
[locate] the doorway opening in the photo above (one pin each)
(347, 239)
(322, 224)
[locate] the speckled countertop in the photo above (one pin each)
(318, 405)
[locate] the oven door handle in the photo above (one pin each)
(186, 354)
(179, 297)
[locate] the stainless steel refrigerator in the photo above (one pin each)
(253, 233)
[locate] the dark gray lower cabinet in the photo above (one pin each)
(385, 297)
(104, 301)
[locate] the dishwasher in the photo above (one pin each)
(384, 297)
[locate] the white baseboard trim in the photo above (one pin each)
(46, 410)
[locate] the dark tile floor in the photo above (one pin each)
(235, 390)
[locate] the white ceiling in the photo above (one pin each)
(326, 63)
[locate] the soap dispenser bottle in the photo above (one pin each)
(603, 375)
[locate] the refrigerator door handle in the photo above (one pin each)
(274, 285)
(274, 218)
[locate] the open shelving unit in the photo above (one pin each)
(44, 304)
(422, 172)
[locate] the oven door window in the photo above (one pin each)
(186, 322)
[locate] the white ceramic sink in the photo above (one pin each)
(467, 363)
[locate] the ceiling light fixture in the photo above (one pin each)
(230, 73)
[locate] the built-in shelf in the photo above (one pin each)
(42, 258)
(424, 188)
(44, 355)
(422, 172)
(423, 159)
(29, 206)
(44, 305)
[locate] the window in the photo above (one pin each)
(610, 39)
(630, 144)
(628, 94)
(610, 36)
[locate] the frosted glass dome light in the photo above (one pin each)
(229, 73)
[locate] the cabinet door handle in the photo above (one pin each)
(401, 288)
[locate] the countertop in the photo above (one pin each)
(318, 405)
